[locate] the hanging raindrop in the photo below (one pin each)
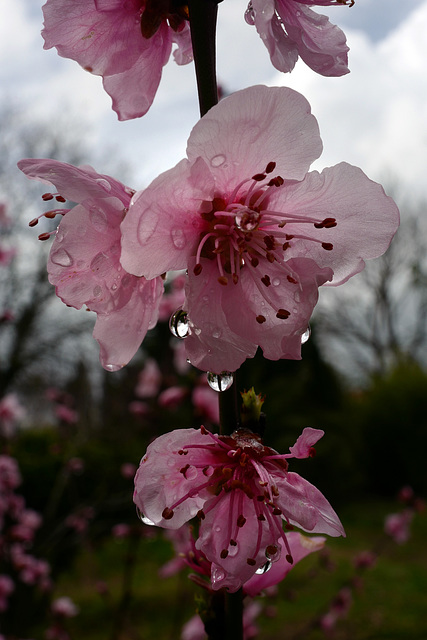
(178, 324)
(250, 15)
(265, 567)
(144, 519)
(306, 335)
(220, 381)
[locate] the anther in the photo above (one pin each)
(311, 452)
(266, 280)
(327, 223)
(233, 543)
(223, 280)
(276, 182)
(286, 245)
(289, 558)
(33, 222)
(241, 520)
(283, 314)
(328, 246)
(197, 269)
(261, 517)
(200, 514)
(44, 236)
(291, 280)
(60, 198)
(260, 319)
(254, 262)
(259, 177)
(184, 469)
(183, 452)
(277, 511)
(223, 554)
(270, 167)
(47, 196)
(270, 257)
(235, 278)
(251, 562)
(167, 513)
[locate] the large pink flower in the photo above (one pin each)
(84, 259)
(290, 29)
(257, 233)
(240, 489)
(127, 42)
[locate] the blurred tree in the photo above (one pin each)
(378, 319)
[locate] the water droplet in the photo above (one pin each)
(217, 575)
(250, 15)
(218, 161)
(143, 518)
(178, 324)
(272, 553)
(233, 550)
(98, 219)
(265, 567)
(113, 367)
(178, 238)
(297, 296)
(104, 184)
(97, 290)
(59, 235)
(276, 282)
(247, 220)
(216, 333)
(114, 286)
(62, 258)
(306, 335)
(191, 473)
(217, 529)
(220, 381)
(208, 471)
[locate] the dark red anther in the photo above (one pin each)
(269, 242)
(286, 245)
(270, 257)
(258, 177)
(312, 452)
(33, 222)
(183, 452)
(201, 514)
(233, 543)
(266, 280)
(270, 167)
(260, 319)
(50, 215)
(251, 562)
(291, 280)
(44, 236)
(277, 511)
(60, 198)
(241, 520)
(223, 554)
(283, 314)
(261, 517)
(254, 262)
(276, 181)
(167, 513)
(328, 246)
(184, 469)
(327, 223)
(197, 269)
(289, 558)
(223, 280)
(47, 196)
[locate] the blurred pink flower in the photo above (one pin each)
(125, 42)
(66, 414)
(84, 259)
(6, 256)
(289, 29)
(397, 526)
(139, 409)
(128, 470)
(257, 233)
(172, 397)
(205, 401)
(149, 380)
(64, 607)
(10, 476)
(11, 412)
(240, 489)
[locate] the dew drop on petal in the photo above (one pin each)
(143, 518)
(220, 381)
(217, 529)
(178, 324)
(62, 258)
(275, 282)
(233, 550)
(265, 567)
(273, 553)
(218, 161)
(104, 184)
(191, 473)
(60, 235)
(178, 238)
(217, 575)
(250, 15)
(98, 219)
(113, 367)
(306, 335)
(97, 290)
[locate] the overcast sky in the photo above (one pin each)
(375, 117)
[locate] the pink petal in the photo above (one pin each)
(162, 227)
(244, 132)
(303, 445)
(159, 482)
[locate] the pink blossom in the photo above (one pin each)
(64, 607)
(289, 29)
(149, 380)
(121, 530)
(397, 526)
(66, 414)
(240, 489)
(205, 401)
(172, 397)
(11, 412)
(84, 259)
(257, 233)
(125, 42)
(128, 470)
(10, 476)
(138, 409)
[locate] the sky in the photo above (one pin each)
(375, 117)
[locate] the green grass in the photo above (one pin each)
(391, 604)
